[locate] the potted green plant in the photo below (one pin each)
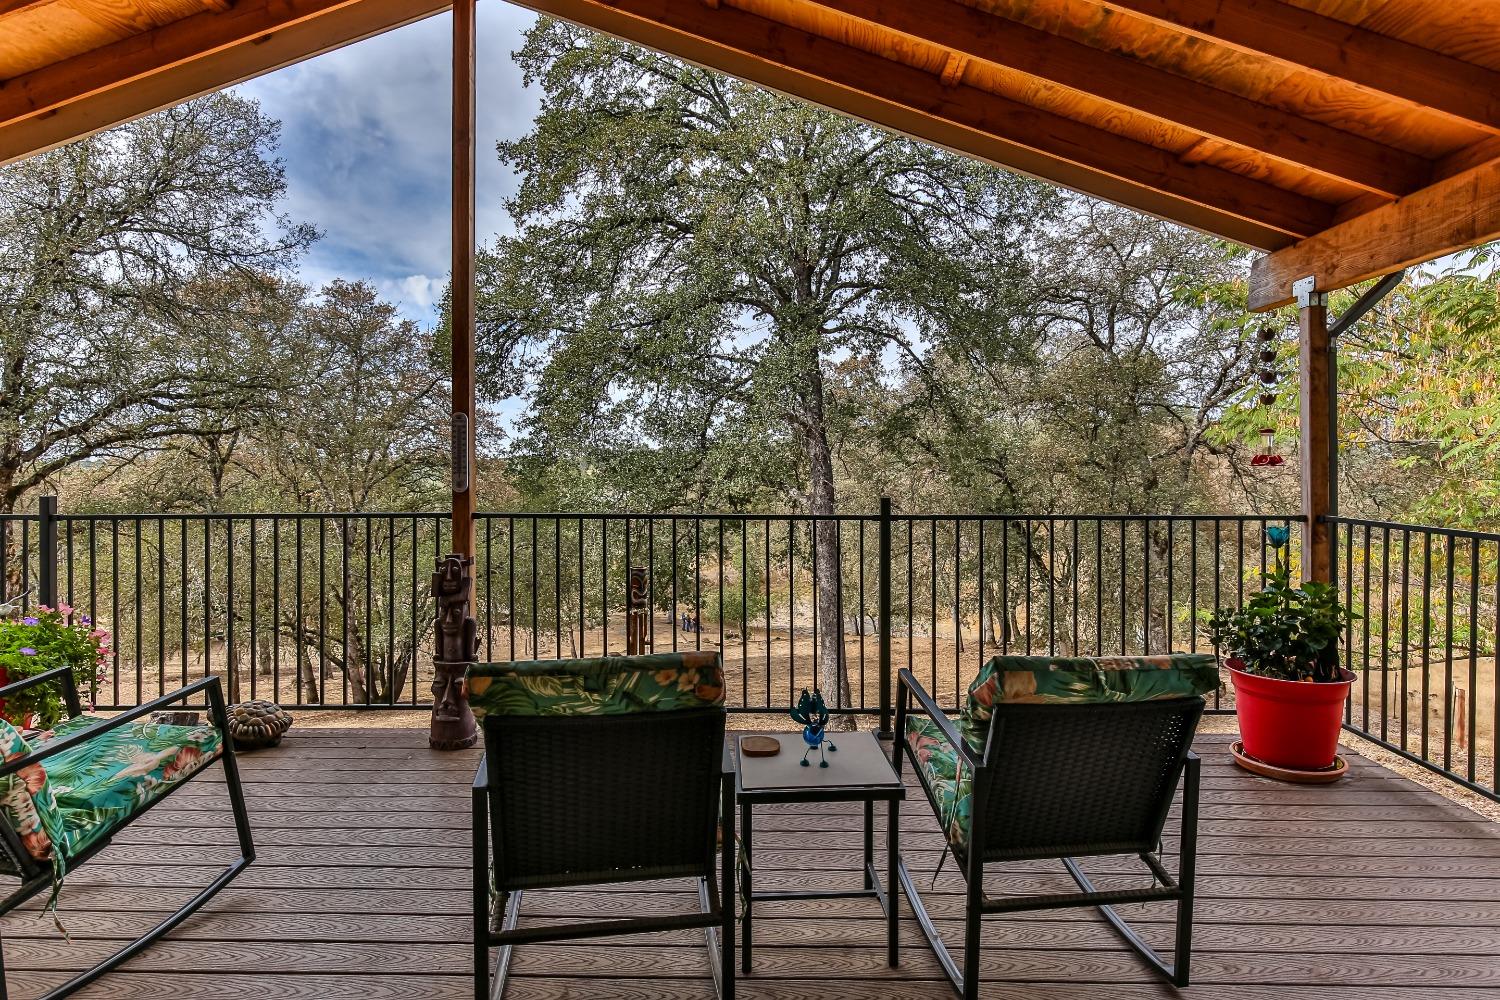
(1283, 647)
(34, 642)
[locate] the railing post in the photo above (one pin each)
(46, 510)
(885, 618)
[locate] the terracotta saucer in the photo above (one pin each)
(1319, 776)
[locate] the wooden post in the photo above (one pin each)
(452, 725)
(1319, 434)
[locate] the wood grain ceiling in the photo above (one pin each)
(1347, 137)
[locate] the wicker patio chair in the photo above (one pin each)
(66, 793)
(600, 771)
(1061, 758)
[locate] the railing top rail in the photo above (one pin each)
(895, 516)
(256, 515)
(1483, 536)
(643, 516)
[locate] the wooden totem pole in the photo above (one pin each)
(452, 725)
(637, 611)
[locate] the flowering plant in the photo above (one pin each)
(35, 642)
(1285, 632)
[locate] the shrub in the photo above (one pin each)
(35, 642)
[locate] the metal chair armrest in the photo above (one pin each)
(944, 724)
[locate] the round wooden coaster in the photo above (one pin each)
(760, 746)
(1321, 776)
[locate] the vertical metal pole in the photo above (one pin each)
(885, 618)
(47, 554)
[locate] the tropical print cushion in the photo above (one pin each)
(26, 799)
(605, 685)
(1062, 680)
(104, 781)
(946, 776)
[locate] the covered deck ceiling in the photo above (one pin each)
(1346, 138)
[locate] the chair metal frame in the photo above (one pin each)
(496, 915)
(1166, 887)
(36, 876)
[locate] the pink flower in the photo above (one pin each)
(43, 608)
(64, 608)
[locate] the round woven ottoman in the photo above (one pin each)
(254, 725)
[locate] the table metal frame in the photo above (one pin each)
(869, 795)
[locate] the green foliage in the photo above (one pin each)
(123, 257)
(31, 644)
(698, 262)
(1286, 632)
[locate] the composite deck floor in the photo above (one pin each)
(1372, 887)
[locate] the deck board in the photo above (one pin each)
(360, 891)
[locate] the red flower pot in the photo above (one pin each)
(1292, 724)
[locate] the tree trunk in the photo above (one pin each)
(832, 679)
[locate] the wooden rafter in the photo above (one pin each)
(960, 117)
(1462, 90)
(1452, 215)
(195, 55)
(1138, 86)
(8, 7)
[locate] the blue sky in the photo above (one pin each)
(365, 133)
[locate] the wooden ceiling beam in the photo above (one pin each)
(198, 54)
(1452, 215)
(959, 117)
(1461, 90)
(1137, 86)
(8, 7)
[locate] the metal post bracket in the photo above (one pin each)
(1304, 290)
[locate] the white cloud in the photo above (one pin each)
(366, 143)
(414, 293)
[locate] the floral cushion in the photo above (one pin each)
(1061, 680)
(606, 685)
(104, 781)
(1041, 680)
(26, 799)
(946, 776)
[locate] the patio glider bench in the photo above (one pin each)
(66, 793)
(1061, 758)
(600, 771)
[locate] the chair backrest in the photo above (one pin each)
(1078, 780)
(602, 770)
(1082, 755)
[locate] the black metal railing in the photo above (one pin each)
(1424, 652)
(334, 609)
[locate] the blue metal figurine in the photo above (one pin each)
(813, 715)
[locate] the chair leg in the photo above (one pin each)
(150, 937)
(502, 957)
(479, 827)
(1187, 868)
(726, 891)
(929, 931)
(973, 924)
(1123, 928)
